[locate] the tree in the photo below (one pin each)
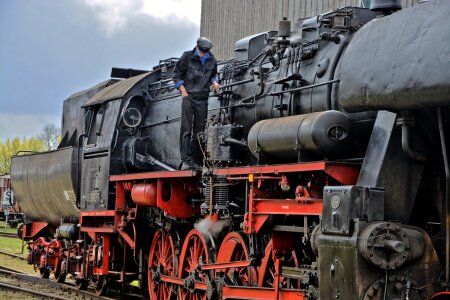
(50, 136)
(12, 147)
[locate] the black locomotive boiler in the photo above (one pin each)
(325, 173)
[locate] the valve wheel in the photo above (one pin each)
(235, 248)
(197, 249)
(266, 274)
(162, 260)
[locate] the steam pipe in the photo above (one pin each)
(256, 58)
(261, 86)
(446, 204)
(261, 78)
(152, 160)
(252, 78)
(344, 41)
(304, 87)
(236, 142)
(78, 190)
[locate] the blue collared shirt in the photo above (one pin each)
(202, 60)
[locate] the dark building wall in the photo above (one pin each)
(226, 21)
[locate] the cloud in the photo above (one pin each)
(174, 10)
(25, 125)
(58, 48)
(114, 15)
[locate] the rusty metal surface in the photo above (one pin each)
(115, 91)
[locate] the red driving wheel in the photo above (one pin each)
(196, 250)
(162, 260)
(235, 248)
(266, 274)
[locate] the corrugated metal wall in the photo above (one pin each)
(226, 21)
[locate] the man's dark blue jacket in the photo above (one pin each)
(195, 75)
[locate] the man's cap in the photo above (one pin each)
(204, 44)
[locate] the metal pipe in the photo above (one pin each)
(446, 204)
(252, 78)
(79, 168)
(162, 88)
(26, 151)
(236, 142)
(304, 87)
(153, 161)
(160, 82)
(344, 41)
(256, 58)
(406, 132)
(261, 78)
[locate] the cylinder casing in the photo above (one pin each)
(68, 231)
(144, 194)
(323, 133)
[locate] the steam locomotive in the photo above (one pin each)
(325, 172)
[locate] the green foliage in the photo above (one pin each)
(12, 147)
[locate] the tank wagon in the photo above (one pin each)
(325, 171)
(10, 211)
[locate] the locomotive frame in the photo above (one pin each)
(315, 172)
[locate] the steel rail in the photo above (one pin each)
(49, 283)
(9, 234)
(12, 255)
(30, 292)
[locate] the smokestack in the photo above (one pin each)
(386, 6)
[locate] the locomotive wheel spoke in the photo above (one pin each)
(161, 261)
(266, 274)
(235, 248)
(195, 246)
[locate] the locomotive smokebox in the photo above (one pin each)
(326, 133)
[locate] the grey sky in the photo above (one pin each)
(50, 49)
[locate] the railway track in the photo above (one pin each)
(48, 289)
(9, 234)
(12, 280)
(7, 286)
(13, 255)
(20, 284)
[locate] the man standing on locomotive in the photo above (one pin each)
(195, 74)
